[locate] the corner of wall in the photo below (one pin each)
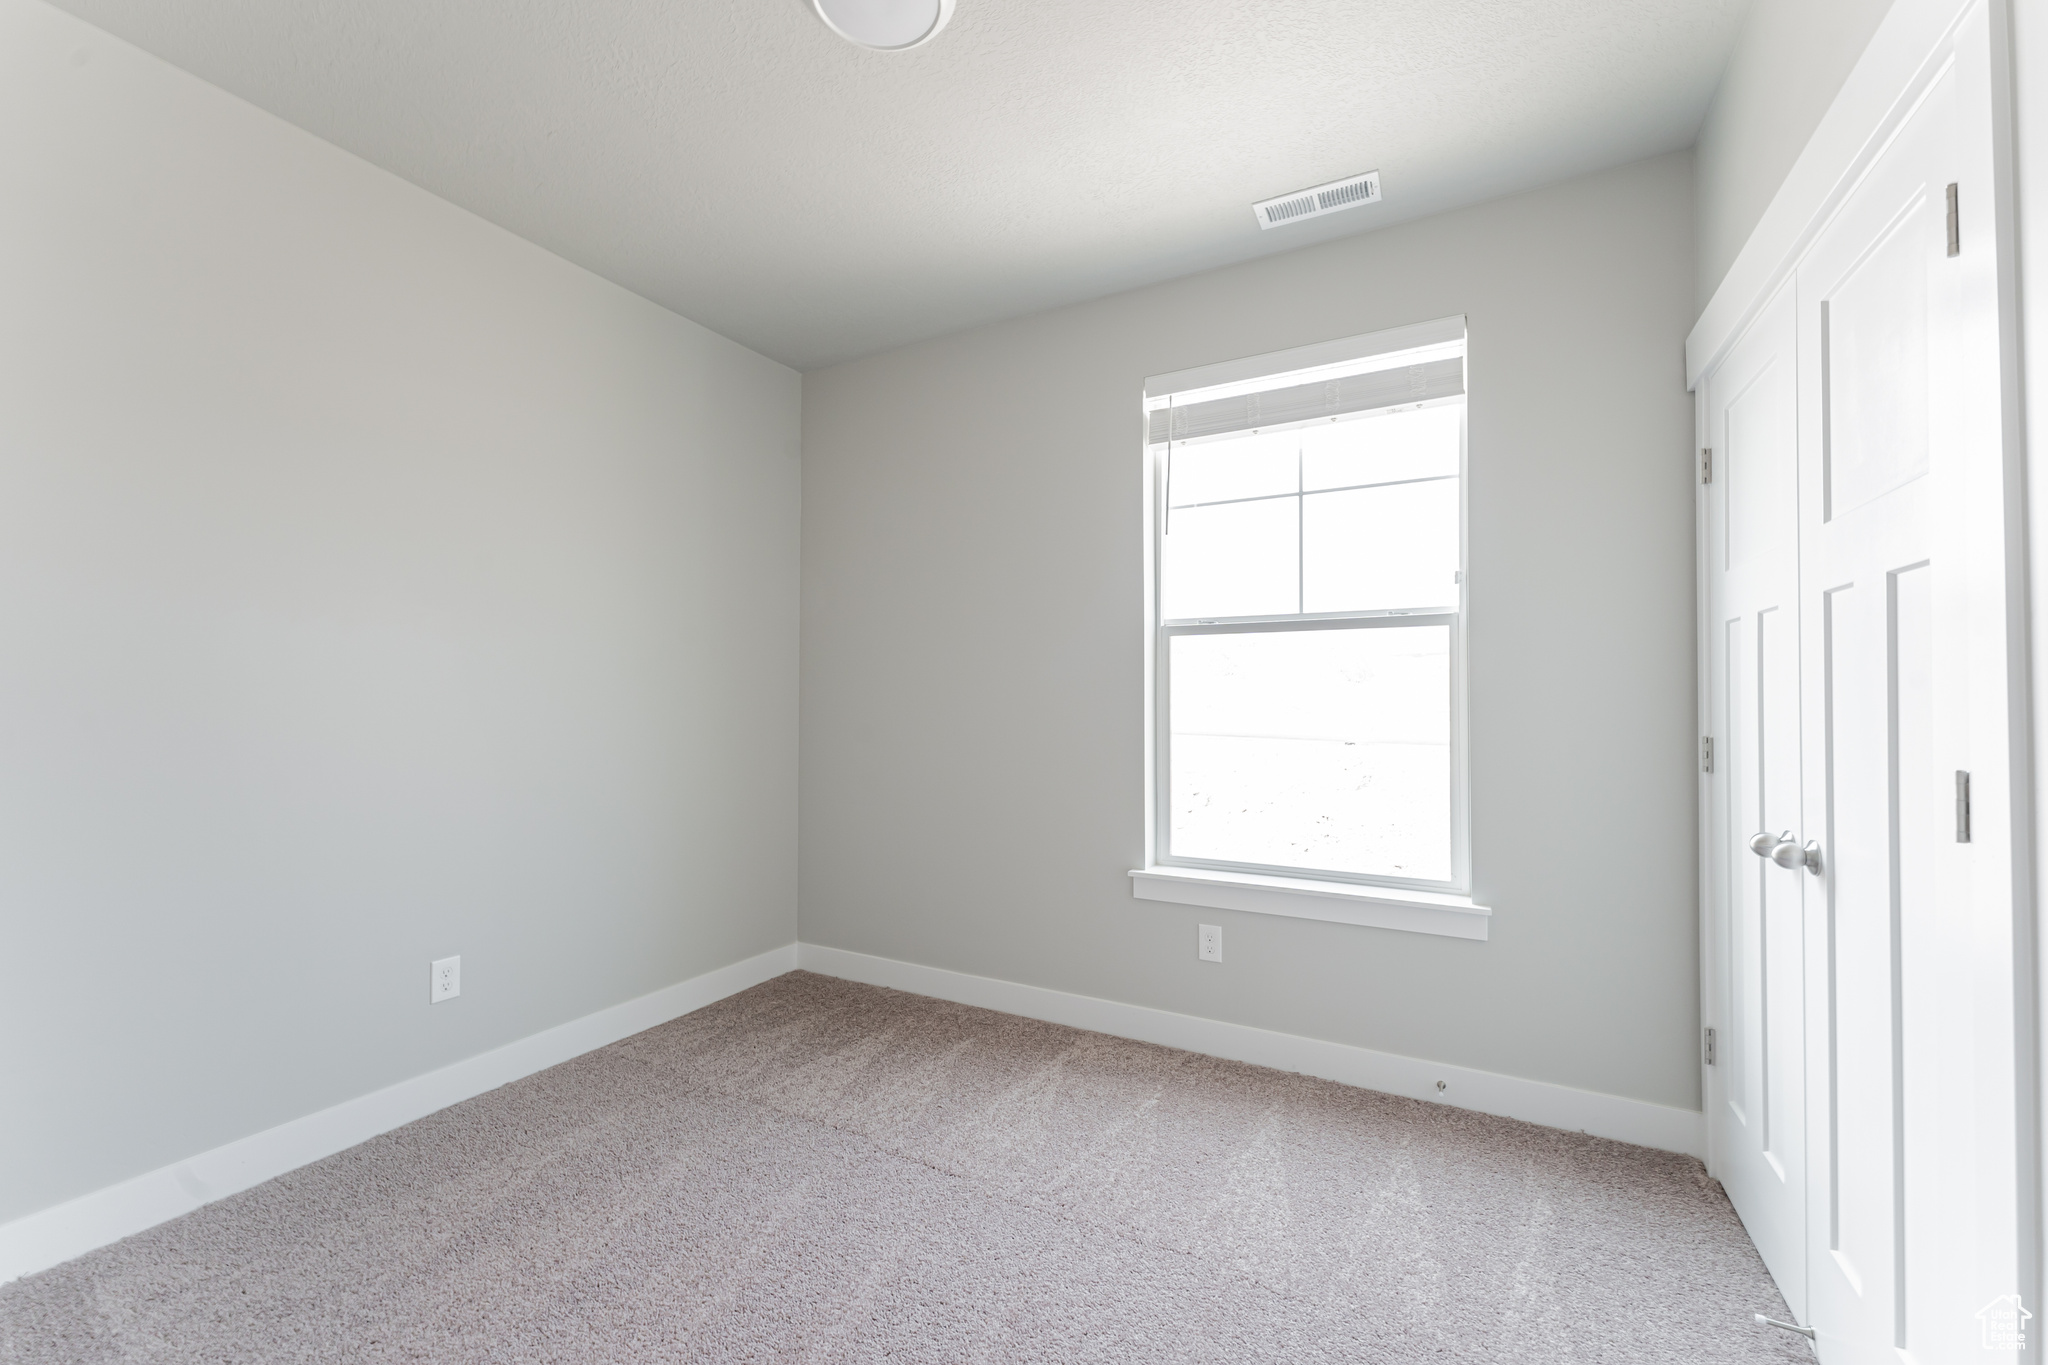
(1789, 62)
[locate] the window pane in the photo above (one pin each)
(1419, 444)
(1239, 559)
(1324, 750)
(1378, 549)
(1240, 467)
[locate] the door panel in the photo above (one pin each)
(1755, 927)
(1860, 957)
(1923, 818)
(1874, 337)
(1873, 289)
(1758, 441)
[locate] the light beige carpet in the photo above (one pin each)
(821, 1171)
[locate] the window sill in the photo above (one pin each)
(1418, 912)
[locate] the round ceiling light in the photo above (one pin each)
(885, 25)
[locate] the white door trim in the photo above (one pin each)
(2029, 72)
(1904, 56)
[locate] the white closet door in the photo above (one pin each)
(1755, 934)
(1891, 457)
(1868, 296)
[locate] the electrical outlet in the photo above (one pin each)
(1210, 943)
(447, 980)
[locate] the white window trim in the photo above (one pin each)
(1323, 353)
(1390, 903)
(1420, 912)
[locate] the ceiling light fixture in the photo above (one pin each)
(885, 25)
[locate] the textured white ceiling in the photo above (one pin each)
(734, 160)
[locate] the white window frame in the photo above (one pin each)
(1417, 904)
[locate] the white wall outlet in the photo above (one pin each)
(1210, 943)
(447, 980)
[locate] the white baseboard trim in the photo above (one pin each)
(54, 1235)
(1554, 1106)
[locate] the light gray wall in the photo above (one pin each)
(1789, 62)
(373, 587)
(972, 646)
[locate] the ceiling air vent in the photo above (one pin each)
(1347, 193)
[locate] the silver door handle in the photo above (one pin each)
(1790, 854)
(1784, 850)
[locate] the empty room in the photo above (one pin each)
(964, 680)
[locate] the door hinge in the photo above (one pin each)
(1955, 224)
(1706, 753)
(1708, 1050)
(1706, 464)
(1962, 807)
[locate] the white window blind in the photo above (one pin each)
(1322, 399)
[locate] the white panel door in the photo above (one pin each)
(1755, 936)
(1892, 450)
(1869, 293)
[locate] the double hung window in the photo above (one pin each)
(1308, 556)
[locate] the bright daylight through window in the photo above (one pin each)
(1308, 570)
